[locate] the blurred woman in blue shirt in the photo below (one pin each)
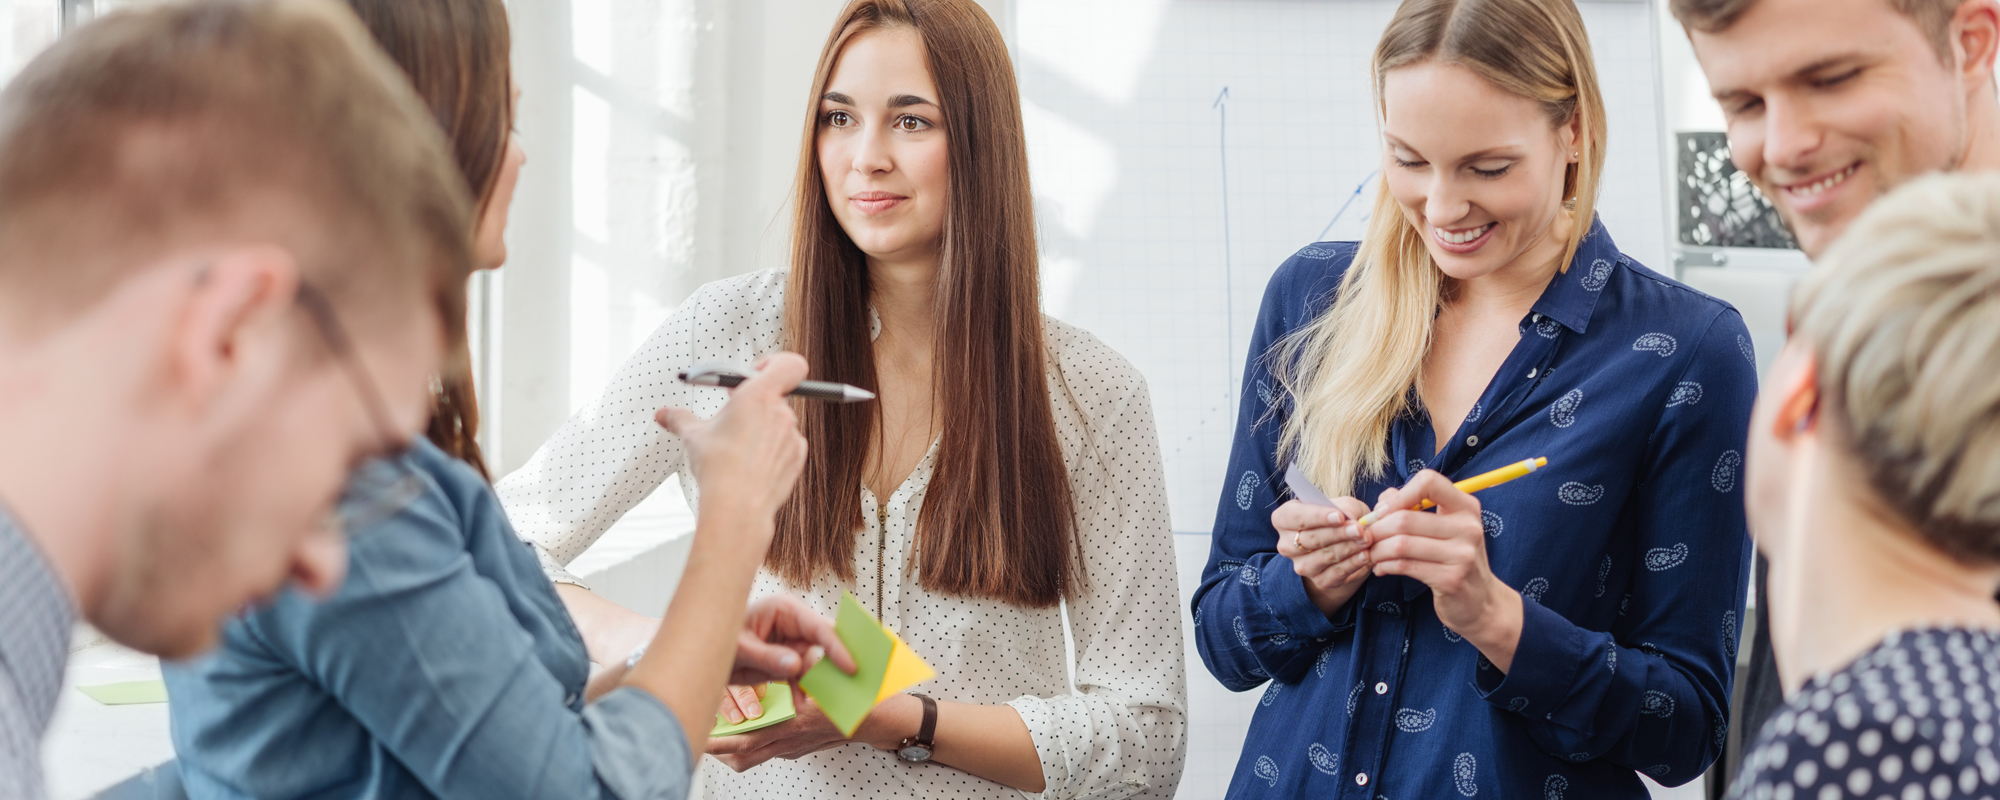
(1553, 636)
(445, 666)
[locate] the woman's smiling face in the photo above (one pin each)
(882, 150)
(1477, 170)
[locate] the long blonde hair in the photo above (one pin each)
(1353, 369)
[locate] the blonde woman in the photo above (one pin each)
(1874, 490)
(1554, 636)
(1007, 482)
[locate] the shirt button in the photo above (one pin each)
(1381, 688)
(1361, 779)
(1471, 441)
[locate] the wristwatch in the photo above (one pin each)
(918, 750)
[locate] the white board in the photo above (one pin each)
(1129, 132)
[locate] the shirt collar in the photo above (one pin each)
(36, 617)
(1572, 296)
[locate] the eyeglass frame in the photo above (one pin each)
(409, 485)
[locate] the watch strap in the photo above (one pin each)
(927, 733)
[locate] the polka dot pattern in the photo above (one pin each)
(1118, 731)
(1912, 719)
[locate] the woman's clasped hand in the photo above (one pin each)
(1446, 551)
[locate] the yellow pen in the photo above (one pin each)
(1478, 482)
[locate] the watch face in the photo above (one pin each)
(915, 752)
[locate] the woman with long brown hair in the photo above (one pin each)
(445, 666)
(1554, 636)
(1008, 480)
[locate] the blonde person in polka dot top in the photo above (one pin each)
(1007, 482)
(1873, 482)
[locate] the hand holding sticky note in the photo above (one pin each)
(777, 702)
(886, 667)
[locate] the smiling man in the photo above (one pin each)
(1831, 104)
(230, 239)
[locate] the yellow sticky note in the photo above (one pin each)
(906, 668)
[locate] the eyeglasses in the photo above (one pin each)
(381, 488)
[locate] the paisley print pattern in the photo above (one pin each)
(1661, 559)
(1266, 769)
(1657, 704)
(1563, 412)
(1656, 343)
(1323, 759)
(1246, 490)
(1577, 494)
(1724, 476)
(1465, 774)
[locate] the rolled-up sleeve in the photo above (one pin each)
(637, 746)
(1253, 619)
(426, 654)
(1653, 692)
(1123, 732)
(611, 454)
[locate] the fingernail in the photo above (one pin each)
(735, 716)
(788, 662)
(755, 710)
(1336, 518)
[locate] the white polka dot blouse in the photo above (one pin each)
(1118, 730)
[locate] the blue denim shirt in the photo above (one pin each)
(1629, 550)
(445, 667)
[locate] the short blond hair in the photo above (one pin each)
(199, 123)
(1903, 315)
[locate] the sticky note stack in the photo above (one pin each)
(777, 703)
(887, 667)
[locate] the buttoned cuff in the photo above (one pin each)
(1285, 592)
(1544, 668)
(637, 747)
(554, 570)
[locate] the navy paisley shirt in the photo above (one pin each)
(1629, 549)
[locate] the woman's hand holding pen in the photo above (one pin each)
(1447, 551)
(751, 453)
(1327, 549)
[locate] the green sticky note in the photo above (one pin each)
(847, 699)
(128, 693)
(777, 701)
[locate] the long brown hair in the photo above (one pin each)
(455, 53)
(997, 520)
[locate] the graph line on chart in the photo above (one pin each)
(1221, 105)
(1343, 206)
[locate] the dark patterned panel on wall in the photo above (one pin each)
(1718, 205)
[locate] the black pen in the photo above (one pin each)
(729, 376)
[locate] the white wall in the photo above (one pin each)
(662, 139)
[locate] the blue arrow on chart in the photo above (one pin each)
(1343, 206)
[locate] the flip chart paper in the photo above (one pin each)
(778, 708)
(847, 699)
(128, 693)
